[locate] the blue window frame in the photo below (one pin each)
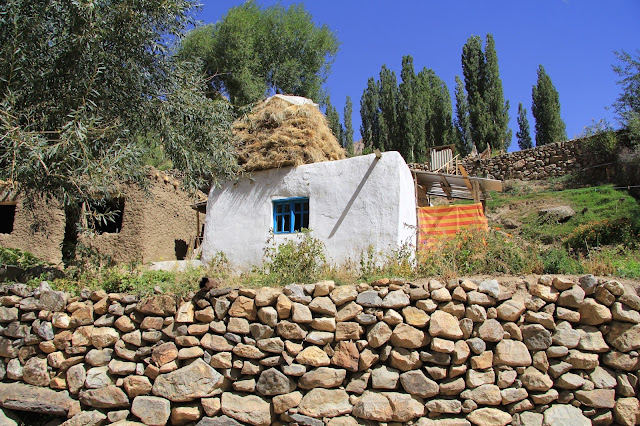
(290, 215)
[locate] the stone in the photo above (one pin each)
(243, 307)
(621, 312)
(570, 381)
(491, 331)
(406, 336)
(196, 380)
(164, 353)
(415, 317)
(396, 299)
(588, 283)
(487, 394)
(249, 409)
(564, 415)
(266, 296)
(597, 398)
(591, 340)
(602, 378)
(105, 397)
(348, 330)
(282, 403)
(98, 377)
(159, 305)
(325, 403)
(86, 418)
(627, 411)
(405, 407)
(581, 360)
(348, 312)
(565, 335)
(343, 294)
(379, 334)
(490, 287)
(274, 382)
(369, 299)
(444, 406)
(186, 414)
(384, 377)
(562, 284)
(35, 372)
(121, 368)
(628, 340)
(444, 325)
(416, 383)
(346, 355)
(290, 331)
(571, 298)
(489, 417)
(137, 385)
(536, 337)
(373, 406)
(477, 378)
(151, 410)
(102, 337)
(313, 356)
(24, 397)
(534, 380)
(218, 421)
(593, 313)
(76, 376)
(512, 353)
(273, 345)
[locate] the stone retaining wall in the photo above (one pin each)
(541, 162)
(556, 351)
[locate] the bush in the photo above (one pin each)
(603, 232)
(298, 260)
(478, 252)
(558, 261)
(22, 259)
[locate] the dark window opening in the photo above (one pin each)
(109, 216)
(181, 249)
(290, 215)
(7, 217)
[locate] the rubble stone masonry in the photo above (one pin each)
(563, 351)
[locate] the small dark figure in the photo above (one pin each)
(207, 284)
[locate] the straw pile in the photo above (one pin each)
(280, 134)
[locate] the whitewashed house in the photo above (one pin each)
(350, 205)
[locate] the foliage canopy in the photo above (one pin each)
(254, 51)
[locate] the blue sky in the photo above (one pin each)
(573, 39)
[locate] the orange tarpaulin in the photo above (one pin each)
(446, 221)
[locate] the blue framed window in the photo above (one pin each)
(290, 215)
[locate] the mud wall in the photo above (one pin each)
(156, 225)
(463, 352)
(38, 229)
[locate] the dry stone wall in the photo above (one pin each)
(541, 162)
(426, 353)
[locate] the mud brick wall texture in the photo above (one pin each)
(562, 351)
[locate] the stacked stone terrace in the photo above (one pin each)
(427, 353)
(542, 162)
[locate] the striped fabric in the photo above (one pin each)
(446, 221)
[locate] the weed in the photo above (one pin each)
(300, 259)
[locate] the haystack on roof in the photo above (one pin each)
(285, 131)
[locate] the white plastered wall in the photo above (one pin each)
(353, 204)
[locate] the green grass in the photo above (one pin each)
(590, 204)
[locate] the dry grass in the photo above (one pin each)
(279, 134)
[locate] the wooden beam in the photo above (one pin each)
(445, 186)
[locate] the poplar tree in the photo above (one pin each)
(369, 114)
(438, 127)
(546, 111)
(498, 108)
(463, 140)
(388, 119)
(410, 121)
(347, 135)
(523, 134)
(333, 119)
(488, 111)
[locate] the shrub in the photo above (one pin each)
(300, 259)
(558, 261)
(20, 258)
(603, 232)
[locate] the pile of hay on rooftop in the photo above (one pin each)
(280, 134)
